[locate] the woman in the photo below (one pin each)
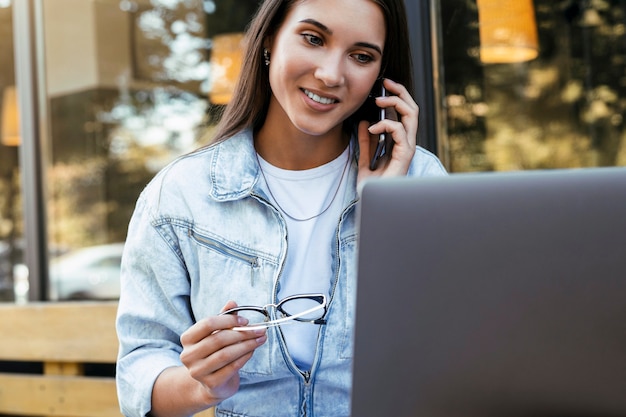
(264, 214)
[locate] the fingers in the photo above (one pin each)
(210, 325)
(214, 354)
(218, 358)
(402, 130)
(230, 304)
(405, 107)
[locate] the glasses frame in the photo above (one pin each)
(286, 317)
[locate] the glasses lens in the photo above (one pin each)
(253, 316)
(296, 306)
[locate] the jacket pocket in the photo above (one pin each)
(248, 259)
(228, 272)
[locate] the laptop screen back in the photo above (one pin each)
(492, 295)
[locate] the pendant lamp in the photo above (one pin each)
(508, 31)
(226, 57)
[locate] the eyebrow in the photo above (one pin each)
(328, 31)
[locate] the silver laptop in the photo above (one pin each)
(492, 295)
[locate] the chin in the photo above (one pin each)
(316, 127)
(314, 132)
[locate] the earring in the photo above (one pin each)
(266, 56)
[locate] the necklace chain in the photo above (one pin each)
(298, 219)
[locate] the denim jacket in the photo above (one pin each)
(203, 233)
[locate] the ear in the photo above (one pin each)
(268, 42)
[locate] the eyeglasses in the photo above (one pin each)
(307, 308)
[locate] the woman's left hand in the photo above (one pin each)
(403, 132)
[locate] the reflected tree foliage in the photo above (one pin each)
(564, 109)
(107, 143)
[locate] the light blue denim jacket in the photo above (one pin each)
(203, 233)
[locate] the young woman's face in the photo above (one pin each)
(324, 60)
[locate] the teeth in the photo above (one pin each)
(315, 97)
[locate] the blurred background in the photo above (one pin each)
(98, 95)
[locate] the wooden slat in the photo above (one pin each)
(59, 332)
(63, 368)
(58, 396)
(63, 336)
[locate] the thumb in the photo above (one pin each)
(230, 304)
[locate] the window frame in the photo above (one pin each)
(26, 25)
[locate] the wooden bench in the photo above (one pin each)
(61, 339)
(62, 342)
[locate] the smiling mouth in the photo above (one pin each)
(319, 99)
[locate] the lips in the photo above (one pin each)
(319, 99)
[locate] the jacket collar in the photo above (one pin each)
(234, 168)
(235, 172)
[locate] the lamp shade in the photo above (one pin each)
(508, 31)
(226, 57)
(10, 118)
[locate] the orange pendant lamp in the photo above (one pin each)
(226, 57)
(508, 31)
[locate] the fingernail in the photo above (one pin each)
(242, 321)
(261, 340)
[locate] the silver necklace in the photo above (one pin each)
(298, 219)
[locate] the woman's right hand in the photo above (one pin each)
(213, 354)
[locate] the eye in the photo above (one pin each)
(313, 39)
(363, 58)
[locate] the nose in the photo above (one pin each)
(330, 70)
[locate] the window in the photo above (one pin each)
(563, 109)
(130, 85)
(122, 87)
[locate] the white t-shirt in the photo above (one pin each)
(308, 267)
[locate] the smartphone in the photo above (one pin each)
(385, 143)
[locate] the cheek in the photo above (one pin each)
(288, 58)
(365, 93)
(363, 89)
(362, 81)
(286, 69)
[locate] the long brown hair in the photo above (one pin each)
(250, 101)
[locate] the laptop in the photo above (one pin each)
(492, 294)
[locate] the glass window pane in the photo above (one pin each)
(562, 109)
(131, 85)
(13, 275)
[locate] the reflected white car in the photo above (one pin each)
(91, 273)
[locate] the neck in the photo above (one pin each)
(280, 143)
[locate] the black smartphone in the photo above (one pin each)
(384, 145)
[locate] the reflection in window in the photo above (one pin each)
(140, 92)
(87, 273)
(563, 109)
